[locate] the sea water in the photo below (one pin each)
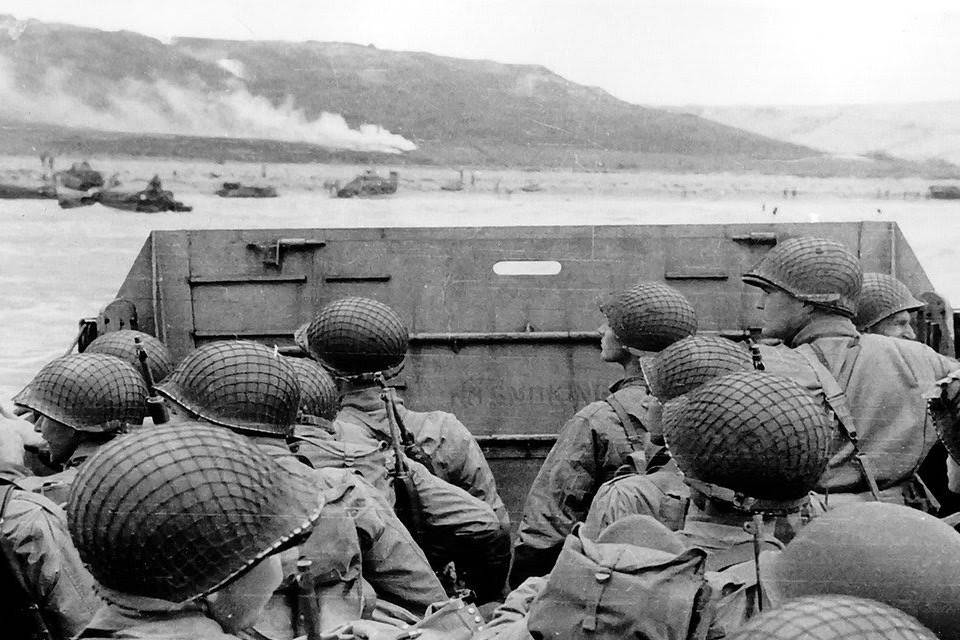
(57, 266)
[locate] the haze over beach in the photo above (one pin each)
(616, 112)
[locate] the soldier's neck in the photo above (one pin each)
(631, 368)
(351, 386)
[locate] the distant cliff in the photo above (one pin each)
(89, 91)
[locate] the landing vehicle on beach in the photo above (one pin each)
(153, 199)
(945, 192)
(80, 177)
(237, 190)
(369, 184)
(504, 319)
(146, 201)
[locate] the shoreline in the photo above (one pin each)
(190, 177)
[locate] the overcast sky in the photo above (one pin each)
(656, 52)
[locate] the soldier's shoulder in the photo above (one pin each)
(911, 350)
(436, 418)
(28, 512)
(595, 410)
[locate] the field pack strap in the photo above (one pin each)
(837, 401)
(40, 629)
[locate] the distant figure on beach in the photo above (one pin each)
(774, 211)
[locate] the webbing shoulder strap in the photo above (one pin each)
(636, 432)
(836, 399)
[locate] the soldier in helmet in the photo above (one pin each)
(874, 384)
(751, 445)
(181, 527)
(886, 307)
(885, 552)
(122, 344)
(599, 439)
(362, 343)
(81, 401)
(834, 617)
(660, 492)
(358, 338)
(358, 544)
(46, 590)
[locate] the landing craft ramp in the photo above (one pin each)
(503, 319)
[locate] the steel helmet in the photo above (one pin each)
(178, 512)
(91, 392)
(880, 297)
(238, 384)
(120, 344)
(890, 553)
(815, 270)
(649, 316)
(693, 361)
(319, 396)
(833, 617)
(750, 438)
(358, 337)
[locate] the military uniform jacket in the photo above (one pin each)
(589, 449)
(34, 529)
(360, 550)
(885, 394)
(453, 451)
(662, 495)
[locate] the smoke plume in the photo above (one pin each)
(162, 107)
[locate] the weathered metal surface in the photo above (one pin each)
(511, 355)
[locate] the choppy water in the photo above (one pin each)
(57, 266)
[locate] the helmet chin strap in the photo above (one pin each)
(747, 504)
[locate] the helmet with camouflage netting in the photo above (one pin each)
(178, 512)
(815, 270)
(755, 440)
(121, 344)
(357, 338)
(882, 296)
(886, 552)
(832, 617)
(238, 384)
(319, 397)
(692, 362)
(649, 316)
(92, 392)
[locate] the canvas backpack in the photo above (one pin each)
(614, 590)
